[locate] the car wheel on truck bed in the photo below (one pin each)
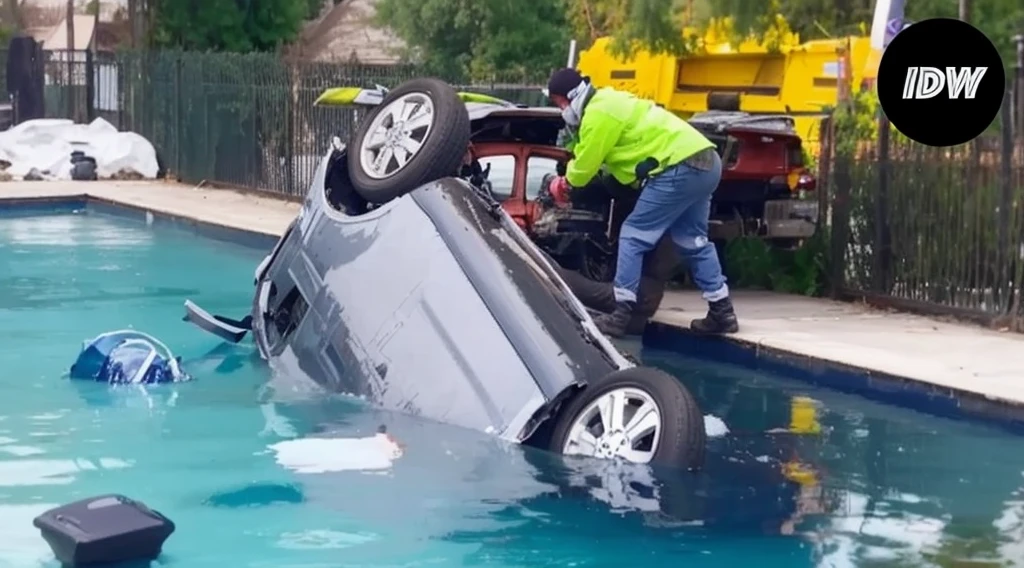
(642, 415)
(419, 133)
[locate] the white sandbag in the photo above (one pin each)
(46, 145)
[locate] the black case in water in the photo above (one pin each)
(104, 529)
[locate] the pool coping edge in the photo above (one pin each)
(251, 238)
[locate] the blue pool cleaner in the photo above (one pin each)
(127, 357)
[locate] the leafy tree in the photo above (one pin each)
(1000, 20)
(460, 38)
(655, 25)
(227, 25)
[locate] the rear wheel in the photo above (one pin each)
(641, 414)
(418, 134)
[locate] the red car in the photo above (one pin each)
(763, 191)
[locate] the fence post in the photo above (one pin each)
(882, 257)
(1018, 88)
(842, 181)
(90, 85)
(840, 237)
(294, 84)
(179, 115)
(1003, 257)
(825, 159)
(67, 74)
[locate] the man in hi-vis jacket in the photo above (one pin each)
(677, 168)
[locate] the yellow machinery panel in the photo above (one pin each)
(801, 81)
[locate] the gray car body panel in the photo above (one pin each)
(425, 305)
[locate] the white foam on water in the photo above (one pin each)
(715, 426)
(322, 539)
(51, 472)
(22, 451)
(21, 545)
(323, 455)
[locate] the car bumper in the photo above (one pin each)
(790, 218)
(783, 219)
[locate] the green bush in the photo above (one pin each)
(752, 262)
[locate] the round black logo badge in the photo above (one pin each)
(941, 82)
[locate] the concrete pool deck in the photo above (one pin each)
(950, 358)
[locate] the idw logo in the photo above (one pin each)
(941, 82)
(929, 82)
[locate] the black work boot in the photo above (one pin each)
(615, 323)
(721, 318)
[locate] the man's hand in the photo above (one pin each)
(559, 190)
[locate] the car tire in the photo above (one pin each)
(595, 263)
(682, 440)
(441, 148)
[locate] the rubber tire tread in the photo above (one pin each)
(683, 440)
(441, 155)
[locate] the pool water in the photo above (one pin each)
(259, 471)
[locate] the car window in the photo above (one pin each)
(502, 175)
(536, 168)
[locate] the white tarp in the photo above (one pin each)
(46, 145)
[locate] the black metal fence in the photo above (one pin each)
(244, 120)
(932, 230)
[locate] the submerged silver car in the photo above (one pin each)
(404, 282)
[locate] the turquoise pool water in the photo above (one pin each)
(229, 457)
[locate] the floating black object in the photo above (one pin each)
(104, 530)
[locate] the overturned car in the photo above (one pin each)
(405, 282)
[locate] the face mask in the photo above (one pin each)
(571, 118)
(578, 97)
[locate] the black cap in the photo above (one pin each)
(563, 81)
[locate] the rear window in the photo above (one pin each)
(502, 174)
(727, 147)
(794, 155)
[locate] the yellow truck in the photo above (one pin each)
(800, 80)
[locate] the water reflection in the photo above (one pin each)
(804, 478)
(900, 488)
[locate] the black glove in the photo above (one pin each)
(560, 169)
(644, 168)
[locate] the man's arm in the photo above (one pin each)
(596, 139)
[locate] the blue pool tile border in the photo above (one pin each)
(873, 385)
(71, 204)
(30, 206)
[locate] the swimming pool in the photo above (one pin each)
(804, 478)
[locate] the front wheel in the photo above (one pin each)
(642, 415)
(595, 263)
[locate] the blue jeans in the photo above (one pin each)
(677, 200)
